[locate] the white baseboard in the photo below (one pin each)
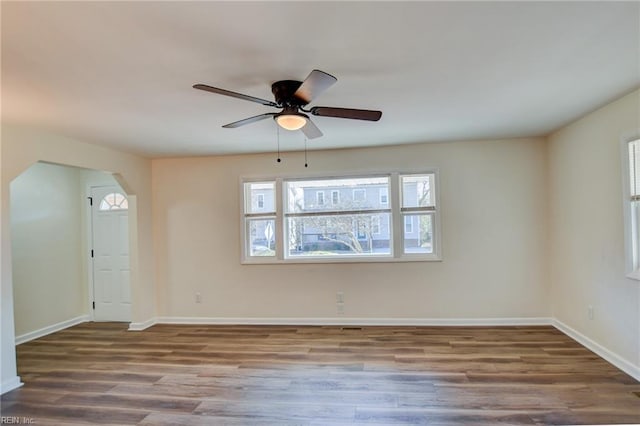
(613, 358)
(9, 385)
(356, 321)
(23, 338)
(139, 326)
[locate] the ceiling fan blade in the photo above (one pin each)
(315, 83)
(233, 94)
(310, 130)
(357, 114)
(248, 120)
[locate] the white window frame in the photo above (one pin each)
(120, 202)
(631, 205)
(259, 201)
(433, 211)
(319, 196)
(248, 216)
(395, 224)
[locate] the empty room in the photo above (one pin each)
(320, 213)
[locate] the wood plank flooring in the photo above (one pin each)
(100, 373)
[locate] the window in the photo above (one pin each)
(633, 206)
(362, 229)
(408, 224)
(259, 221)
(343, 230)
(335, 197)
(375, 225)
(114, 201)
(359, 195)
(384, 196)
(383, 217)
(418, 208)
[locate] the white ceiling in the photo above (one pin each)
(120, 73)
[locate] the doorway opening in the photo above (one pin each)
(51, 243)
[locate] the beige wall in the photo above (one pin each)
(493, 205)
(587, 258)
(23, 147)
(46, 236)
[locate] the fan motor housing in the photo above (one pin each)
(283, 91)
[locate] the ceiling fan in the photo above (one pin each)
(292, 96)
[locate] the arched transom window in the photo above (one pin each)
(114, 201)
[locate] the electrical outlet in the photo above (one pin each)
(198, 298)
(590, 312)
(339, 297)
(340, 308)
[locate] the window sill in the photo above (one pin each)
(635, 275)
(319, 260)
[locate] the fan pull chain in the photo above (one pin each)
(278, 137)
(305, 152)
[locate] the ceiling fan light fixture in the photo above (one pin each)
(291, 121)
(292, 96)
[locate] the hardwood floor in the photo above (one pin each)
(99, 373)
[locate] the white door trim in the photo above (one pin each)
(91, 204)
(89, 242)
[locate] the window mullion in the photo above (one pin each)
(337, 213)
(397, 220)
(419, 210)
(280, 220)
(267, 215)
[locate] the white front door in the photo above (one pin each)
(110, 254)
